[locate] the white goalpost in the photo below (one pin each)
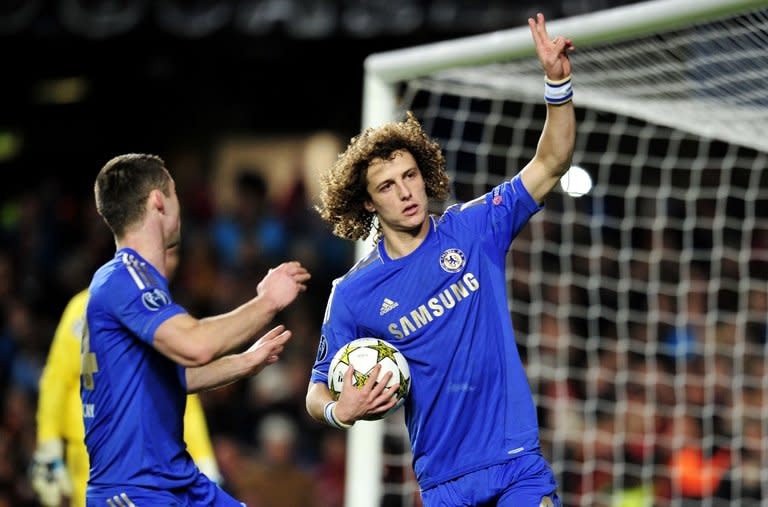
(640, 308)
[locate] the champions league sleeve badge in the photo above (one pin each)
(322, 348)
(452, 260)
(155, 299)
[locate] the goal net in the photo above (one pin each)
(639, 294)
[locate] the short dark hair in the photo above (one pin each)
(123, 186)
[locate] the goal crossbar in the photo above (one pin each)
(585, 30)
(384, 70)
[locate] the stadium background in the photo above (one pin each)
(214, 89)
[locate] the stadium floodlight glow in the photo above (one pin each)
(576, 182)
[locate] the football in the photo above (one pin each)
(363, 354)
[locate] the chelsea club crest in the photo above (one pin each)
(452, 260)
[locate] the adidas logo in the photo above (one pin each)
(387, 305)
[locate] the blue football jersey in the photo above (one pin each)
(133, 396)
(445, 307)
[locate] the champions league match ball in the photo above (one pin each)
(363, 354)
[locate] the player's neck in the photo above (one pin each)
(149, 246)
(399, 243)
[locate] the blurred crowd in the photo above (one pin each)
(650, 369)
(235, 226)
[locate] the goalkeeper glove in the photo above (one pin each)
(210, 468)
(49, 475)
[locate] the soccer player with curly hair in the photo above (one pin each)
(435, 287)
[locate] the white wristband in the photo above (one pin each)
(330, 416)
(558, 92)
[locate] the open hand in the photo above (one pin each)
(267, 349)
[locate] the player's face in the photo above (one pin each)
(397, 193)
(173, 214)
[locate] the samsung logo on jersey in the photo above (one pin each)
(434, 307)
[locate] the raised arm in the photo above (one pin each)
(195, 342)
(558, 137)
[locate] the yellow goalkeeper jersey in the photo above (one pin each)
(60, 413)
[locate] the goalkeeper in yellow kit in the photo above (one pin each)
(59, 472)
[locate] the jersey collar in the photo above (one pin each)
(384, 256)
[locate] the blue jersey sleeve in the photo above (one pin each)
(500, 214)
(338, 329)
(142, 308)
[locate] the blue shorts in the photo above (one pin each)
(524, 481)
(202, 492)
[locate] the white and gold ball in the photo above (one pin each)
(363, 354)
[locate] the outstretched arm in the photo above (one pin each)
(228, 369)
(192, 342)
(556, 144)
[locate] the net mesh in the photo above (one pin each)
(641, 307)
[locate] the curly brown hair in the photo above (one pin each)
(343, 188)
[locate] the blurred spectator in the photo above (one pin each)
(17, 444)
(21, 337)
(252, 235)
(330, 470)
(198, 273)
(696, 471)
(744, 481)
(236, 464)
(687, 334)
(192, 183)
(277, 480)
